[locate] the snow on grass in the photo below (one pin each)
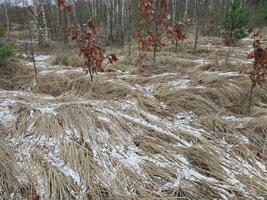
(243, 138)
(120, 146)
(41, 58)
(49, 148)
(48, 110)
(129, 158)
(54, 159)
(163, 106)
(230, 117)
(180, 83)
(183, 122)
(226, 74)
(186, 172)
(203, 61)
(163, 74)
(6, 114)
(61, 70)
(149, 88)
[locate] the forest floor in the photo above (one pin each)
(176, 130)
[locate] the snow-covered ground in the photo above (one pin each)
(122, 146)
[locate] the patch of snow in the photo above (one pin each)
(104, 119)
(61, 71)
(41, 58)
(203, 61)
(187, 172)
(227, 74)
(149, 88)
(130, 158)
(182, 121)
(48, 110)
(230, 118)
(6, 115)
(125, 76)
(23, 55)
(163, 105)
(164, 74)
(243, 138)
(54, 160)
(261, 166)
(181, 83)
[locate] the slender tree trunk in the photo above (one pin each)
(88, 9)
(250, 98)
(121, 21)
(228, 52)
(111, 10)
(197, 26)
(7, 21)
(33, 59)
(66, 23)
(176, 46)
(220, 8)
(45, 31)
(186, 9)
(129, 29)
(76, 21)
(155, 30)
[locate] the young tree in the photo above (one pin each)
(155, 20)
(261, 14)
(197, 25)
(176, 34)
(6, 49)
(92, 53)
(235, 23)
(7, 19)
(258, 72)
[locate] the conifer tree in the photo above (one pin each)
(6, 49)
(235, 23)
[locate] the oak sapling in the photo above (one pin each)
(93, 54)
(258, 72)
(176, 34)
(155, 18)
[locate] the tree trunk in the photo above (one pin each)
(250, 98)
(45, 31)
(129, 29)
(186, 9)
(33, 58)
(111, 10)
(7, 21)
(76, 21)
(197, 26)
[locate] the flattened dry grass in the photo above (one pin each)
(205, 161)
(67, 58)
(122, 136)
(13, 183)
(15, 75)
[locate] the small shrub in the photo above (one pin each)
(258, 72)
(2, 30)
(235, 22)
(154, 18)
(6, 49)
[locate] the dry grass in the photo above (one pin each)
(67, 58)
(15, 75)
(139, 131)
(11, 176)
